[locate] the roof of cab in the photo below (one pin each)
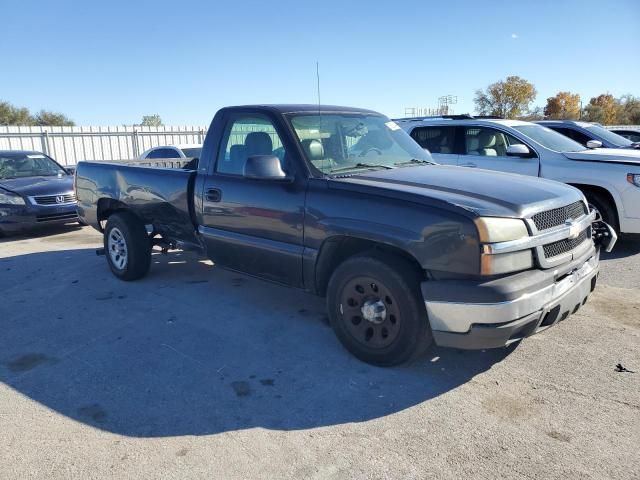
(303, 107)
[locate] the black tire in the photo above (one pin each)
(391, 285)
(606, 209)
(124, 229)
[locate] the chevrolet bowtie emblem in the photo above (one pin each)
(574, 230)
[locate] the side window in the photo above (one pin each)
(247, 136)
(435, 139)
(573, 134)
(487, 142)
(580, 137)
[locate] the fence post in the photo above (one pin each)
(200, 136)
(44, 140)
(134, 143)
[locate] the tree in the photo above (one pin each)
(509, 98)
(10, 115)
(52, 119)
(563, 106)
(151, 120)
(628, 110)
(602, 109)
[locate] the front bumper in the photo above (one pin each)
(17, 218)
(519, 305)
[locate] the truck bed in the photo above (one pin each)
(162, 197)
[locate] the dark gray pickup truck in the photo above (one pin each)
(341, 202)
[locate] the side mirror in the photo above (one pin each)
(594, 144)
(70, 170)
(518, 150)
(264, 167)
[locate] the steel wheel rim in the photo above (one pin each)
(117, 248)
(369, 312)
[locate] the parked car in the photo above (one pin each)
(173, 151)
(590, 135)
(406, 252)
(632, 134)
(34, 191)
(609, 178)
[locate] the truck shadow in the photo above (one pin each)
(194, 350)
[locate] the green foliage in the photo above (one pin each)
(12, 115)
(508, 98)
(45, 118)
(151, 120)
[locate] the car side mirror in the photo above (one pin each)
(70, 170)
(594, 144)
(518, 150)
(265, 167)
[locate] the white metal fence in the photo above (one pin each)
(69, 145)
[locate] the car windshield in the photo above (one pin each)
(352, 141)
(549, 138)
(20, 165)
(192, 152)
(609, 136)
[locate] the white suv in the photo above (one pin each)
(610, 179)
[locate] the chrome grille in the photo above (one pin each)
(53, 199)
(558, 216)
(563, 246)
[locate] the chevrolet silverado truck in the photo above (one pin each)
(343, 203)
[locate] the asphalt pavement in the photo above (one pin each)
(197, 372)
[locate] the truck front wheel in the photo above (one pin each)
(376, 309)
(127, 246)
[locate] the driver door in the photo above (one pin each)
(254, 225)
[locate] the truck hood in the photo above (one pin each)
(609, 155)
(30, 186)
(482, 192)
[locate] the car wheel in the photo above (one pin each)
(127, 246)
(604, 209)
(376, 309)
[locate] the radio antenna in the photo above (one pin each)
(318, 83)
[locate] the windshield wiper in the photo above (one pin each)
(360, 165)
(415, 161)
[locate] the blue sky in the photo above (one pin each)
(111, 62)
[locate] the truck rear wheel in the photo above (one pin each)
(127, 246)
(376, 309)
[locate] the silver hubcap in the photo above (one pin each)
(117, 248)
(374, 311)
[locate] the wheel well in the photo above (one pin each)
(603, 192)
(107, 207)
(336, 250)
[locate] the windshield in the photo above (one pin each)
(192, 152)
(341, 142)
(20, 165)
(549, 138)
(609, 136)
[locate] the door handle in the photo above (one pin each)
(470, 165)
(213, 194)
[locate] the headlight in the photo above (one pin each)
(492, 229)
(10, 199)
(506, 262)
(634, 179)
